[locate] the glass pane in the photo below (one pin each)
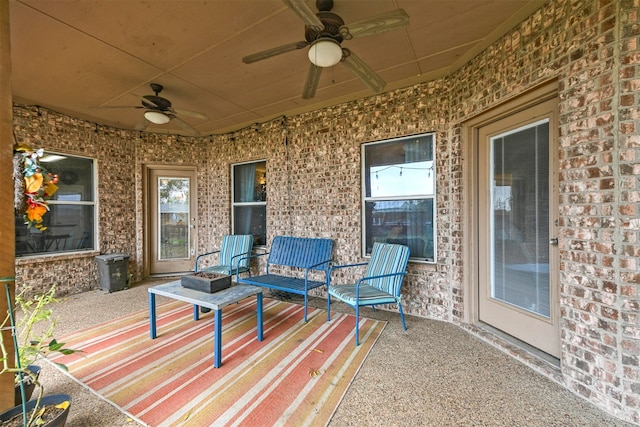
(251, 220)
(400, 168)
(250, 182)
(520, 220)
(173, 200)
(405, 222)
(69, 228)
(75, 177)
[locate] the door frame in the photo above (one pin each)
(470, 153)
(146, 201)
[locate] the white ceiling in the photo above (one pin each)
(70, 55)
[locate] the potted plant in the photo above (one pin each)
(33, 337)
(34, 334)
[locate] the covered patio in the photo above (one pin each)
(505, 155)
(454, 378)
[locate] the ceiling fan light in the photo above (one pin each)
(325, 52)
(157, 117)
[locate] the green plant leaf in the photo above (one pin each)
(55, 345)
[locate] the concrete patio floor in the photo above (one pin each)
(434, 374)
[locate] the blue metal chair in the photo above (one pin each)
(233, 258)
(381, 283)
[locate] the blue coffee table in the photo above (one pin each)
(216, 302)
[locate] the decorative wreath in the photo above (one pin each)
(33, 185)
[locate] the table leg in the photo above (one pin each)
(217, 337)
(259, 315)
(196, 312)
(152, 315)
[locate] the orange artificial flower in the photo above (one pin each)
(34, 182)
(35, 212)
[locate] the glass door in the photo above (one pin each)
(518, 286)
(172, 220)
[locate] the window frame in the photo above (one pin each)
(235, 204)
(93, 203)
(431, 196)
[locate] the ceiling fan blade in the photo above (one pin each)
(376, 24)
(308, 16)
(146, 100)
(188, 113)
(186, 126)
(313, 78)
(273, 52)
(363, 71)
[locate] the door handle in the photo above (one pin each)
(553, 241)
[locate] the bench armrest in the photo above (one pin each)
(312, 267)
(240, 257)
(245, 256)
(251, 256)
(202, 255)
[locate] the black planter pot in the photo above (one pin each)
(29, 385)
(54, 399)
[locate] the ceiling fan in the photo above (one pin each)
(158, 110)
(324, 33)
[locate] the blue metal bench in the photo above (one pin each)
(305, 254)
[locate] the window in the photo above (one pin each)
(250, 200)
(398, 194)
(70, 222)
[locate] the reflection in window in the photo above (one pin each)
(70, 222)
(399, 191)
(399, 179)
(250, 200)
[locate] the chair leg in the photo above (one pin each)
(306, 304)
(357, 321)
(404, 325)
(328, 307)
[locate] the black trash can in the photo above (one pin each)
(112, 271)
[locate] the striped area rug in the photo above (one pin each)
(296, 376)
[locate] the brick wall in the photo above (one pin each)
(592, 48)
(626, 218)
(41, 128)
(588, 194)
